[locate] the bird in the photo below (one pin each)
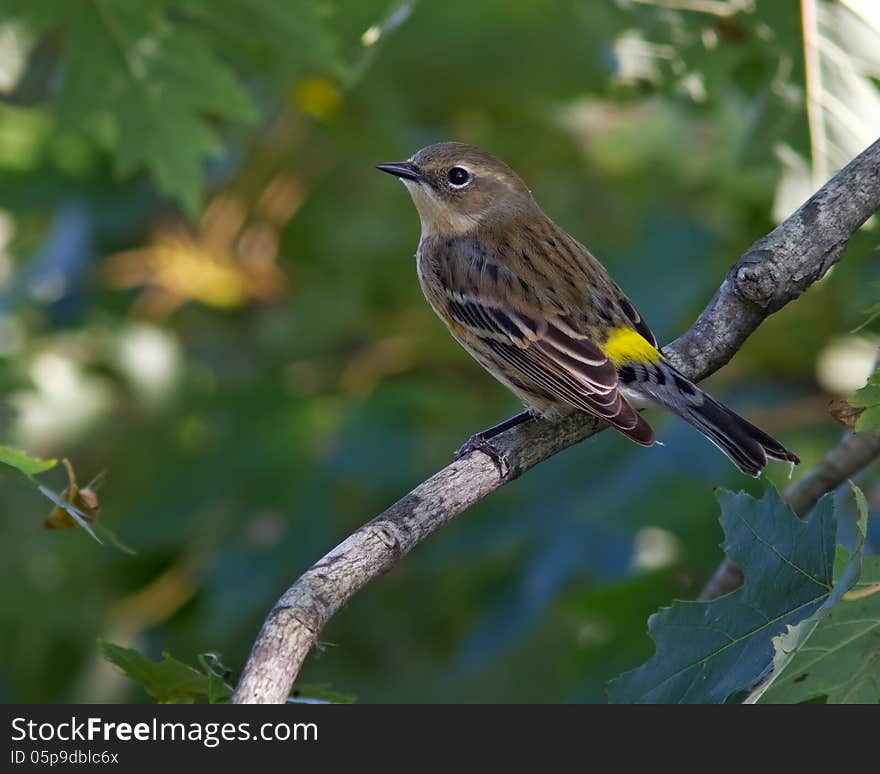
(540, 313)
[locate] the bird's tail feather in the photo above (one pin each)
(746, 445)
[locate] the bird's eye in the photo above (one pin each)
(459, 177)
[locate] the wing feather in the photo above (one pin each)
(551, 355)
(638, 321)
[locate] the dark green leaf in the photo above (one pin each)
(834, 655)
(847, 569)
(708, 651)
(840, 660)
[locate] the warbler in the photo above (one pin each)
(534, 307)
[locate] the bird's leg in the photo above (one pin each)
(482, 441)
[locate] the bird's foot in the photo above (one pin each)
(480, 442)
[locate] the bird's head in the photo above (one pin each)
(458, 187)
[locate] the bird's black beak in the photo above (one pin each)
(403, 169)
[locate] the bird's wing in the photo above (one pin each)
(642, 328)
(551, 353)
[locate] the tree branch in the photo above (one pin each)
(772, 272)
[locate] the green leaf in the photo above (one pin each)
(150, 86)
(219, 691)
(835, 654)
(868, 398)
(22, 463)
(168, 681)
(155, 80)
(790, 643)
(706, 652)
(868, 419)
(840, 660)
(147, 85)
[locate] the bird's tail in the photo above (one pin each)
(746, 445)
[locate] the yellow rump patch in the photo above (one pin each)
(624, 345)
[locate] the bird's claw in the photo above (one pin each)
(479, 442)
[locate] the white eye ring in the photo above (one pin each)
(459, 177)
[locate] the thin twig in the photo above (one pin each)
(774, 271)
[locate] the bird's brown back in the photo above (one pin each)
(535, 264)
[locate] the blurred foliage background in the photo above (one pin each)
(208, 293)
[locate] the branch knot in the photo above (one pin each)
(757, 277)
